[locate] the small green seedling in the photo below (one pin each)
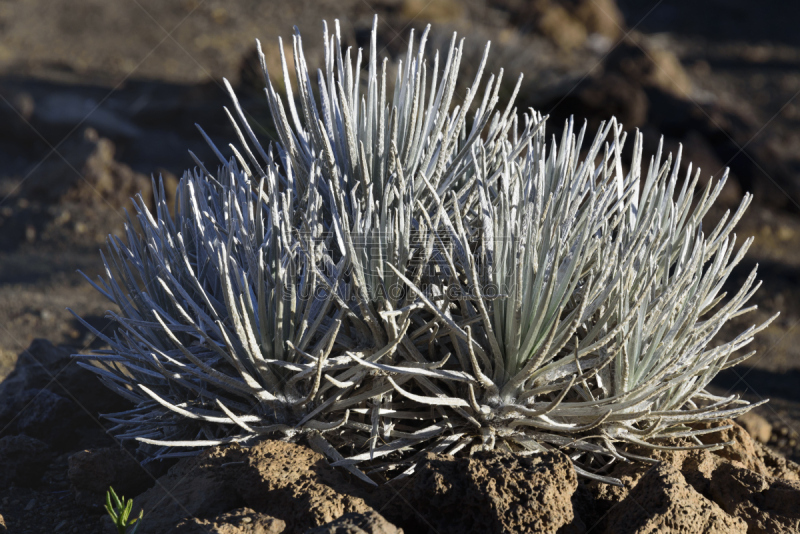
(119, 510)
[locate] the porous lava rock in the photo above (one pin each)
(92, 472)
(490, 492)
(743, 482)
(23, 459)
(741, 488)
(239, 521)
(49, 397)
(296, 484)
(283, 480)
(767, 506)
(745, 452)
(46, 366)
(195, 487)
(663, 502)
(354, 523)
(41, 414)
(758, 427)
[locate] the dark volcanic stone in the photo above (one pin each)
(491, 492)
(92, 472)
(353, 523)
(239, 521)
(44, 415)
(50, 397)
(23, 459)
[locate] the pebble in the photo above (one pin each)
(30, 504)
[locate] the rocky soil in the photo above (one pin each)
(56, 464)
(97, 97)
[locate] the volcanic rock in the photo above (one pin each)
(650, 66)
(283, 480)
(88, 175)
(239, 521)
(23, 459)
(491, 492)
(43, 365)
(50, 397)
(41, 414)
(92, 472)
(663, 502)
(354, 523)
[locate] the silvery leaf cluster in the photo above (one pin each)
(409, 268)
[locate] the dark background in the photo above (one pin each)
(96, 96)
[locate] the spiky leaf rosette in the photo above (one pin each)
(603, 302)
(224, 325)
(402, 275)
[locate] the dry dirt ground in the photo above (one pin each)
(95, 97)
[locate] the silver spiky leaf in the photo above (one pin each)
(387, 281)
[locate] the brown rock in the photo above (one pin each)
(758, 427)
(554, 20)
(730, 490)
(599, 16)
(368, 523)
(491, 492)
(194, 487)
(87, 174)
(767, 506)
(744, 452)
(91, 472)
(663, 502)
(240, 521)
(746, 480)
(283, 480)
(776, 466)
(650, 67)
(432, 10)
(747, 453)
(558, 24)
(295, 484)
(566, 22)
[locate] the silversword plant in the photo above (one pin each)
(407, 270)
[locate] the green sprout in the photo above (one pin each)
(120, 510)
